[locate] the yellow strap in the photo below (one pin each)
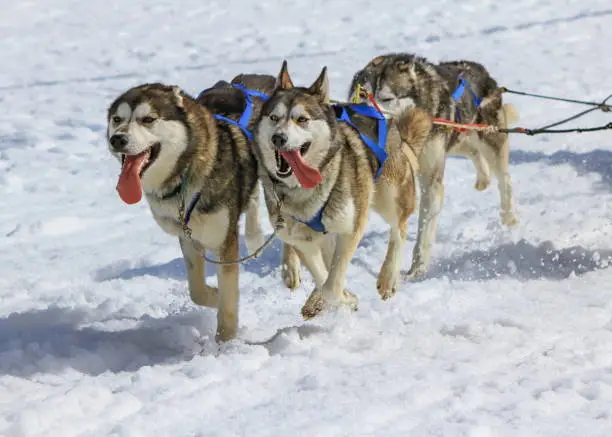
(357, 93)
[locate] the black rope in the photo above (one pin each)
(601, 105)
(522, 130)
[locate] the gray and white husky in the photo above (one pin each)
(460, 91)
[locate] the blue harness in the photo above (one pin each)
(242, 123)
(316, 223)
(458, 93)
(245, 118)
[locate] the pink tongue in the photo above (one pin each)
(307, 176)
(129, 186)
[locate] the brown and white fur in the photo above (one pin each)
(189, 151)
(304, 121)
(399, 81)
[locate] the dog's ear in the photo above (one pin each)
(283, 80)
(376, 61)
(178, 96)
(320, 87)
(406, 66)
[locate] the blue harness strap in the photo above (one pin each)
(243, 124)
(245, 118)
(316, 222)
(378, 148)
(458, 93)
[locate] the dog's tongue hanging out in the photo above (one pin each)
(307, 176)
(129, 185)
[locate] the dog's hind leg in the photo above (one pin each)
(483, 171)
(394, 204)
(469, 148)
(229, 293)
(290, 267)
(200, 293)
(253, 234)
(498, 155)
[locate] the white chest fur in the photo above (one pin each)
(209, 230)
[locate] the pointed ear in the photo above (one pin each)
(178, 95)
(283, 80)
(406, 66)
(377, 60)
(320, 87)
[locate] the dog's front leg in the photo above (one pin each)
(229, 294)
(312, 255)
(200, 293)
(432, 198)
(290, 268)
(253, 234)
(332, 292)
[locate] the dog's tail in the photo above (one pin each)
(511, 114)
(414, 126)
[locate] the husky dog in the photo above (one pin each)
(171, 147)
(226, 99)
(460, 91)
(314, 166)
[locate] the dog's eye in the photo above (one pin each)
(302, 120)
(273, 118)
(116, 119)
(387, 100)
(148, 119)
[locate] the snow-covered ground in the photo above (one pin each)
(509, 334)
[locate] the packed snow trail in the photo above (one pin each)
(509, 333)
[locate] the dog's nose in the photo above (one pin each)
(119, 141)
(279, 140)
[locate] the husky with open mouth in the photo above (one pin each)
(321, 176)
(461, 91)
(171, 147)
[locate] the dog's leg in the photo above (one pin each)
(312, 257)
(201, 294)
(431, 178)
(229, 294)
(253, 234)
(497, 152)
(469, 148)
(395, 204)
(290, 268)
(390, 270)
(483, 172)
(332, 293)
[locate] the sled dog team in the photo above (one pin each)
(322, 166)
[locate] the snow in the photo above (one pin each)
(509, 333)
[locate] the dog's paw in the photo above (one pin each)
(314, 305)
(350, 300)
(414, 272)
(482, 184)
(206, 296)
(291, 276)
(509, 219)
(385, 289)
(317, 304)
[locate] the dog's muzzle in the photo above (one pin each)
(118, 142)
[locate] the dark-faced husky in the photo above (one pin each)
(460, 91)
